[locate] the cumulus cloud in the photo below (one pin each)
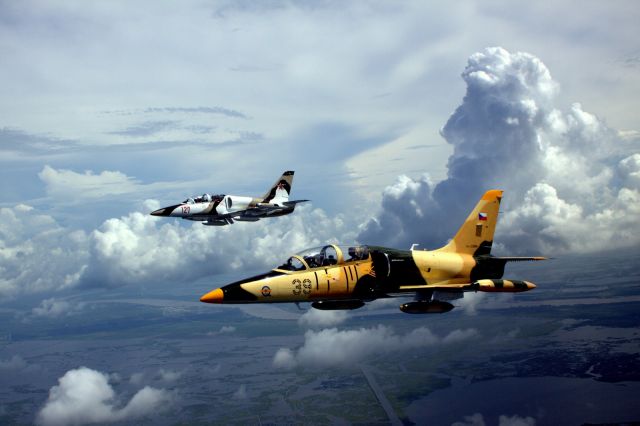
(69, 186)
(38, 254)
(315, 318)
(333, 347)
(568, 184)
(169, 375)
(66, 183)
(477, 419)
(84, 396)
(53, 308)
(504, 420)
(139, 247)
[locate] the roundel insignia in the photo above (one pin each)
(266, 291)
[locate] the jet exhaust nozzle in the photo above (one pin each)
(425, 307)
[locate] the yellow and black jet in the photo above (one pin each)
(345, 277)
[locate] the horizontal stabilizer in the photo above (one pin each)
(294, 202)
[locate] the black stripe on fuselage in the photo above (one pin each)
(395, 267)
(347, 276)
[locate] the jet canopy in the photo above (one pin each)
(204, 198)
(325, 256)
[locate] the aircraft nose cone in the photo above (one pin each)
(160, 212)
(214, 296)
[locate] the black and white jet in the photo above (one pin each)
(220, 210)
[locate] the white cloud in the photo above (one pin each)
(475, 419)
(316, 318)
(567, 188)
(169, 375)
(470, 302)
(16, 362)
(67, 183)
(504, 420)
(241, 393)
(224, 329)
(68, 186)
(84, 396)
(138, 247)
(53, 308)
(333, 347)
(37, 254)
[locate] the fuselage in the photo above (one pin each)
(361, 273)
(207, 208)
(221, 210)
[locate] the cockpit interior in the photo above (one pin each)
(320, 257)
(204, 198)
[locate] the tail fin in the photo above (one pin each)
(475, 236)
(281, 189)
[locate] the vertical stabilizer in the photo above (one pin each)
(280, 190)
(475, 236)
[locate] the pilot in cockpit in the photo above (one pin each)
(330, 260)
(358, 253)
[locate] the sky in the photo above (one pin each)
(395, 116)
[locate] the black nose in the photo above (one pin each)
(160, 212)
(165, 211)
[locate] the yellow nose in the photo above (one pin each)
(214, 296)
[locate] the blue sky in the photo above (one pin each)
(396, 117)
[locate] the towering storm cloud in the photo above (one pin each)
(569, 185)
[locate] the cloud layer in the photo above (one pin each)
(85, 396)
(568, 186)
(37, 254)
(333, 347)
